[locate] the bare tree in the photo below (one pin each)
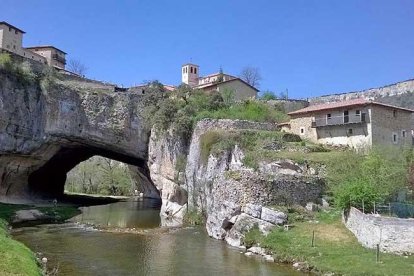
(251, 75)
(77, 67)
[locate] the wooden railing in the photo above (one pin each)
(340, 120)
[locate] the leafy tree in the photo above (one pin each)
(268, 96)
(376, 177)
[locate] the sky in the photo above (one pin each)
(310, 47)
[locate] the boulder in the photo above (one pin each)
(272, 216)
(257, 250)
(243, 224)
(253, 210)
(310, 206)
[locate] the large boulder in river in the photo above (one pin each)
(243, 224)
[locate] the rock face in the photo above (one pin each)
(47, 129)
(166, 161)
(399, 94)
(232, 196)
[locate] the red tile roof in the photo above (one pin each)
(336, 105)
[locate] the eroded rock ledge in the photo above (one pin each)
(233, 197)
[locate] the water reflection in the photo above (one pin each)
(79, 250)
(142, 213)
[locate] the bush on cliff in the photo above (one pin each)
(184, 107)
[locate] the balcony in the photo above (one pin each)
(59, 58)
(340, 120)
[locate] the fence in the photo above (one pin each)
(391, 209)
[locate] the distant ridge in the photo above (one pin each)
(399, 94)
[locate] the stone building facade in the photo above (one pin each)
(356, 123)
(11, 40)
(54, 57)
(218, 82)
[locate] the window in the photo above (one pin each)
(10, 29)
(349, 132)
(357, 112)
(302, 130)
(14, 47)
(403, 133)
(328, 116)
(195, 70)
(394, 113)
(346, 116)
(183, 70)
(395, 138)
(191, 70)
(15, 31)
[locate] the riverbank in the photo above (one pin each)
(335, 249)
(16, 258)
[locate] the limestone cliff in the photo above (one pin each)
(232, 196)
(48, 127)
(399, 94)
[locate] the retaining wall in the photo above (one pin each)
(393, 235)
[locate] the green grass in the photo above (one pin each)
(336, 249)
(257, 146)
(250, 110)
(16, 258)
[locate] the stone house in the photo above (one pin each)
(218, 82)
(358, 123)
(11, 40)
(54, 57)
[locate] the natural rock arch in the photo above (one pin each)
(45, 131)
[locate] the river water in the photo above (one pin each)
(78, 248)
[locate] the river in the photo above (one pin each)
(78, 248)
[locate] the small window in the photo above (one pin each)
(328, 116)
(302, 130)
(394, 113)
(357, 112)
(403, 133)
(15, 31)
(395, 138)
(10, 29)
(191, 70)
(350, 131)
(195, 70)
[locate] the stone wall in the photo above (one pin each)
(393, 235)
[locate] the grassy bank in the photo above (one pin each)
(16, 258)
(336, 249)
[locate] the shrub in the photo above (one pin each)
(194, 217)
(356, 192)
(374, 177)
(268, 96)
(207, 140)
(6, 62)
(253, 236)
(290, 137)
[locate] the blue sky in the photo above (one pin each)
(311, 47)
